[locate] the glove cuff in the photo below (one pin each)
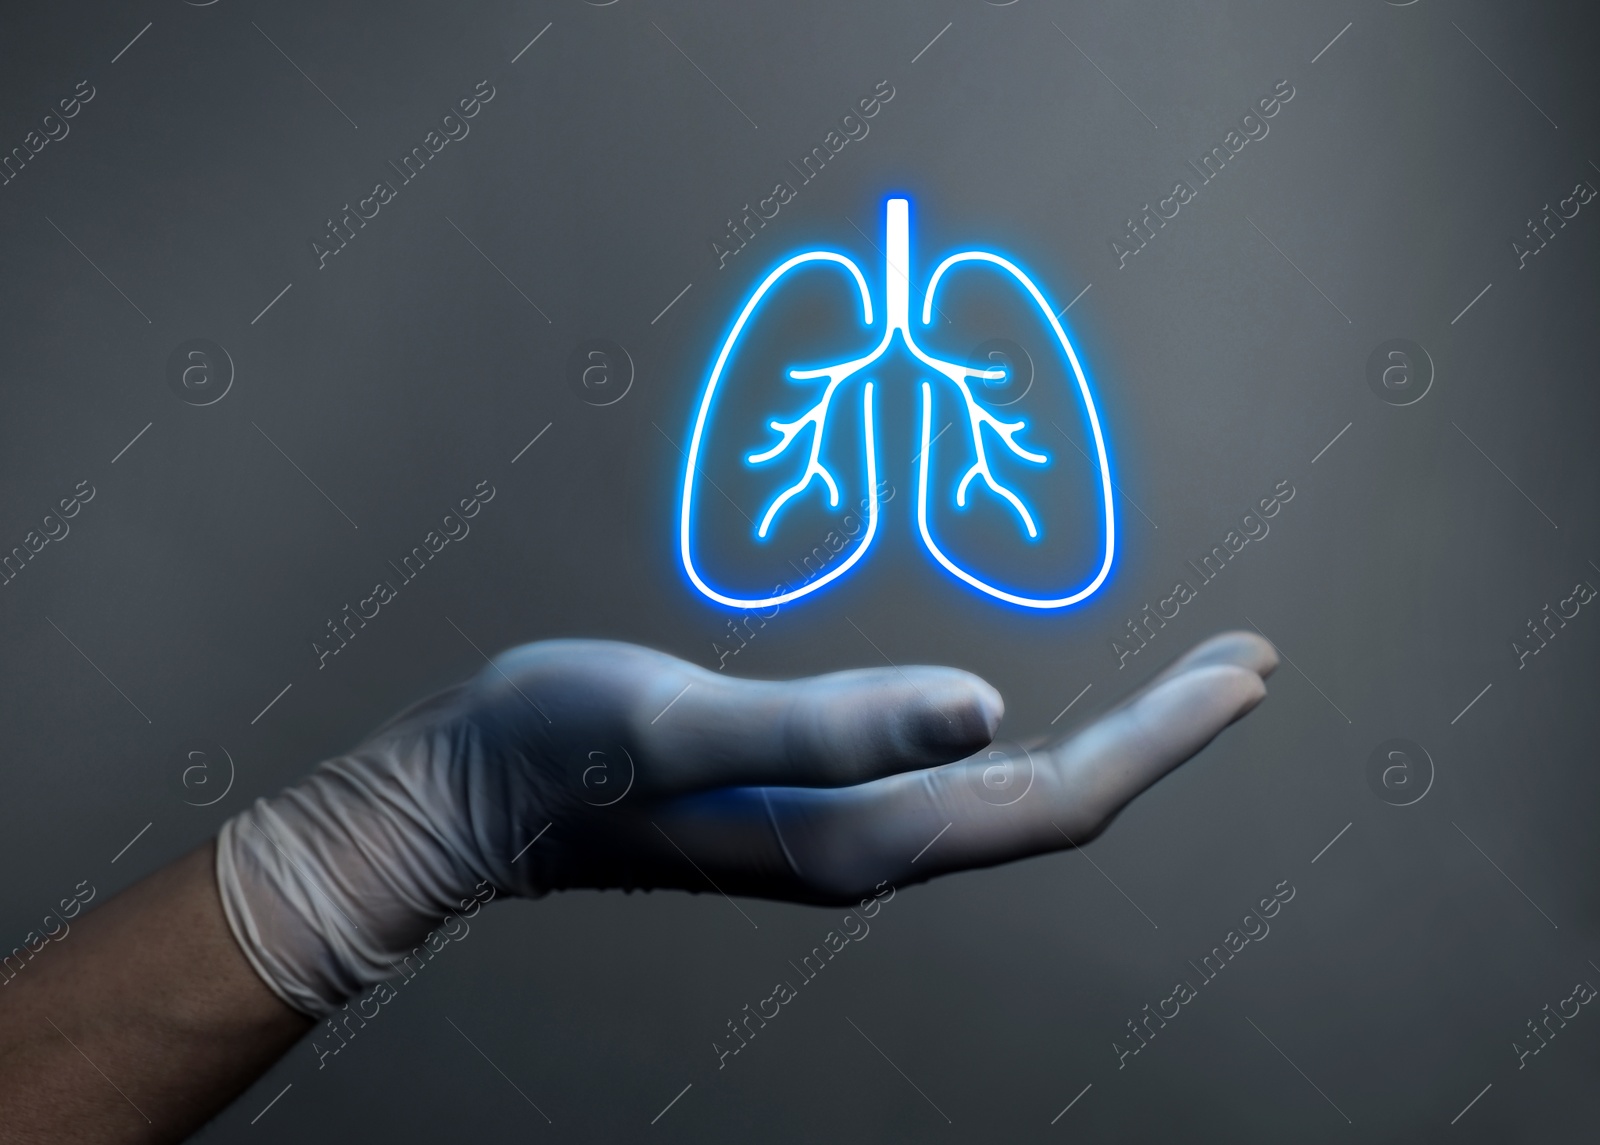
(327, 885)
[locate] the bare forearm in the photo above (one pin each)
(144, 1025)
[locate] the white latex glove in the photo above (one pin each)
(634, 769)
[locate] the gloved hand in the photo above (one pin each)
(633, 769)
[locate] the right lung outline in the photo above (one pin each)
(707, 401)
(1103, 465)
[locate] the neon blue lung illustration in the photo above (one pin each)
(997, 449)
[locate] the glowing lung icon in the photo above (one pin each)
(991, 441)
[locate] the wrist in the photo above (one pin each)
(328, 885)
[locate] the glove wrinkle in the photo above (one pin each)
(777, 833)
(328, 884)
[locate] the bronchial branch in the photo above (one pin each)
(897, 264)
(817, 418)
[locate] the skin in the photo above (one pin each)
(153, 991)
(151, 1020)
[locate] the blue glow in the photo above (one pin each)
(897, 287)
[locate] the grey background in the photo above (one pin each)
(1393, 985)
